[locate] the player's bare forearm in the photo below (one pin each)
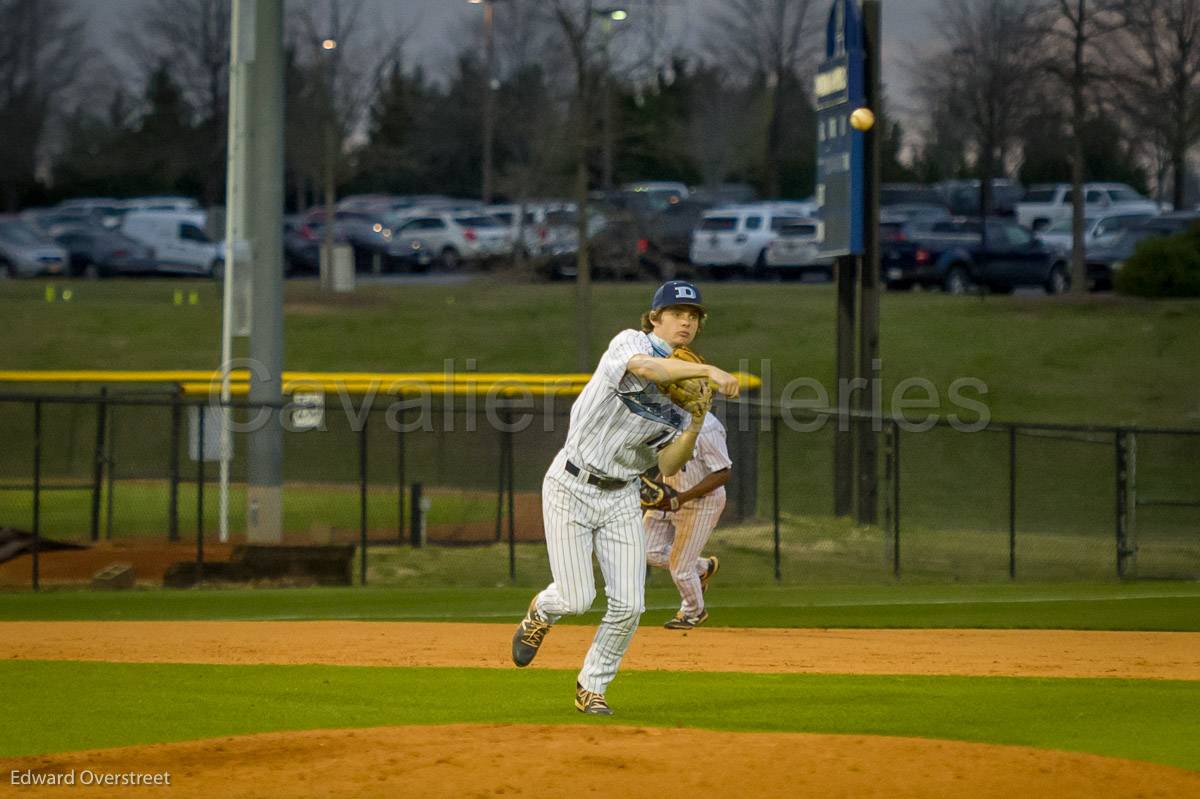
(672, 370)
(705, 487)
(666, 370)
(675, 455)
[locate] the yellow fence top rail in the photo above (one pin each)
(194, 382)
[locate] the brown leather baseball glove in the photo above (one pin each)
(658, 496)
(693, 395)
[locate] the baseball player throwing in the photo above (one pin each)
(621, 425)
(675, 538)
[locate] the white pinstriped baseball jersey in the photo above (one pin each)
(618, 424)
(620, 421)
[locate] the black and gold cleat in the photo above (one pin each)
(681, 622)
(529, 635)
(709, 573)
(591, 703)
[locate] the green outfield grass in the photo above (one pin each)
(1102, 359)
(1085, 606)
(57, 708)
(140, 508)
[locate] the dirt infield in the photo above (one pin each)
(539, 761)
(518, 760)
(1029, 653)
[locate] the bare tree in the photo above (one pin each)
(42, 56)
(347, 60)
(190, 38)
(715, 136)
(591, 33)
(769, 43)
(1075, 28)
(1156, 76)
(984, 71)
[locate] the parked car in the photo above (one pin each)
(456, 237)
(952, 256)
(1046, 204)
(24, 253)
(665, 238)
(96, 252)
(796, 250)
(1104, 262)
(961, 197)
(905, 193)
(659, 193)
(102, 210)
(179, 241)
(1098, 231)
(734, 240)
(917, 212)
(367, 232)
(612, 240)
(160, 203)
(548, 227)
(301, 248)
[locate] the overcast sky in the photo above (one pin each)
(433, 44)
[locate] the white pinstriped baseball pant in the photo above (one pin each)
(581, 519)
(674, 541)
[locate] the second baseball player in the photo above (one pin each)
(675, 539)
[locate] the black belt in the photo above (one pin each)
(603, 483)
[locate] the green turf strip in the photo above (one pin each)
(62, 705)
(1099, 606)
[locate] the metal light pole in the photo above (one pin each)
(237, 225)
(264, 467)
(607, 17)
(489, 96)
(328, 144)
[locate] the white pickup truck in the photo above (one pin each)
(1046, 204)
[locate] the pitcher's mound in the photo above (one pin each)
(598, 759)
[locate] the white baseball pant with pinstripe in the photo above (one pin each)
(675, 540)
(581, 519)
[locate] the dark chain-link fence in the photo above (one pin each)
(447, 492)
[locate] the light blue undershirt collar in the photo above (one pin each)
(661, 348)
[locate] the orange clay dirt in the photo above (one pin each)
(540, 761)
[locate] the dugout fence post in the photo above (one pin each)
(1012, 503)
(1121, 506)
(401, 479)
(775, 497)
(895, 500)
(110, 460)
(509, 472)
(415, 515)
(200, 496)
(98, 462)
(512, 503)
(501, 477)
(37, 492)
(173, 470)
(362, 498)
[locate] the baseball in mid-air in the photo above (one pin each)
(862, 119)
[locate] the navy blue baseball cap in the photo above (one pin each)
(677, 292)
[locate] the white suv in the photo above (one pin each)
(736, 239)
(452, 237)
(1046, 204)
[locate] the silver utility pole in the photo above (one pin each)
(264, 495)
(235, 288)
